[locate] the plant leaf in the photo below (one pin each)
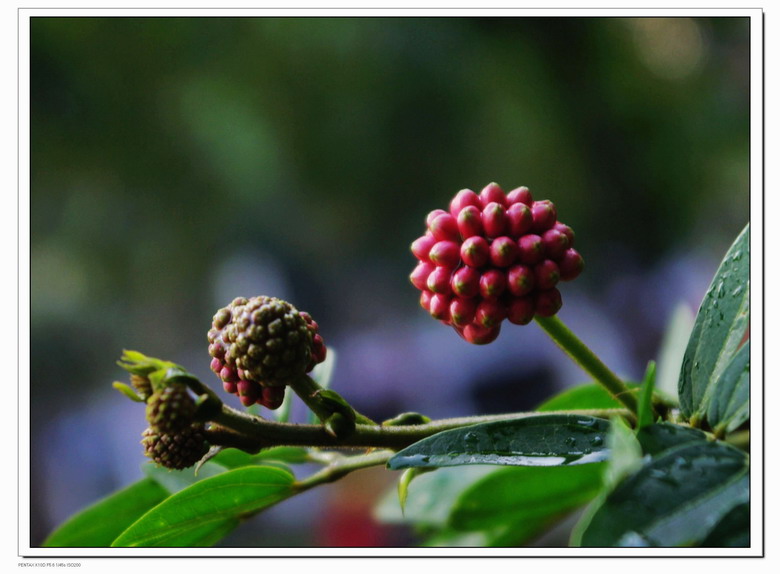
(540, 440)
(203, 513)
(729, 403)
(533, 497)
(676, 499)
(733, 531)
(100, 523)
(587, 396)
(234, 458)
(661, 436)
(175, 480)
(625, 459)
(645, 401)
(720, 326)
(430, 496)
(670, 355)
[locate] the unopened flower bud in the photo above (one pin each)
(520, 195)
(462, 199)
(494, 220)
(492, 192)
(470, 222)
(503, 251)
(570, 265)
(475, 251)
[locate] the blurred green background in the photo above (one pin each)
(179, 162)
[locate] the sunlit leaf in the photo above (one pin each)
(206, 511)
(98, 524)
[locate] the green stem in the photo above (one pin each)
(343, 466)
(307, 389)
(256, 433)
(587, 359)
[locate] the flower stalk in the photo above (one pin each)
(581, 354)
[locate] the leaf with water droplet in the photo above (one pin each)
(718, 330)
(676, 499)
(729, 404)
(539, 440)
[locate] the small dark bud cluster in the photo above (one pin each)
(171, 409)
(260, 344)
(493, 256)
(178, 450)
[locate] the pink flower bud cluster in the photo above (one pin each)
(493, 256)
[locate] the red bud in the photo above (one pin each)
(570, 265)
(463, 198)
(521, 310)
(492, 192)
(544, 214)
(475, 251)
(465, 282)
(531, 249)
(272, 397)
(425, 299)
(566, 230)
(503, 251)
(433, 215)
(547, 303)
(492, 283)
(421, 246)
(462, 311)
(445, 254)
(547, 274)
(520, 195)
(439, 280)
(490, 313)
(444, 227)
(520, 219)
(494, 220)
(555, 243)
(520, 280)
(470, 222)
(419, 277)
(440, 307)
(479, 335)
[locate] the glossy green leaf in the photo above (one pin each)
(661, 436)
(541, 440)
(100, 523)
(676, 499)
(533, 496)
(625, 459)
(175, 480)
(720, 327)
(729, 404)
(587, 396)
(203, 513)
(733, 531)
(625, 451)
(645, 414)
(670, 355)
(430, 496)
